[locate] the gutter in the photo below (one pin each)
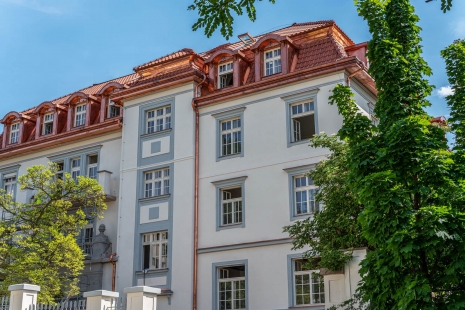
(196, 193)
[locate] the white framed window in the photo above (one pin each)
(157, 183)
(304, 196)
(231, 206)
(371, 112)
(14, 133)
(92, 163)
(9, 184)
(86, 236)
(308, 285)
(231, 139)
(302, 121)
(47, 126)
(225, 75)
(272, 61)
(75, 168)
(61, 170)
(80, 115)
(158, 119)
(231, 288)
(155, 250)
(113, 109)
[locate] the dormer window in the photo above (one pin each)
(113, 110)
(47, 127)
(14, 133)
(272, 62)
(225, 75)
(80, 115)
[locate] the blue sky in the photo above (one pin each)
(49, 48)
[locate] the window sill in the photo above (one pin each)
(241, 154)
(238, 225)
(156, 133)
(155, 198)
(296, 217)
(299, 142)
(264, 77)
(152, 271)
(313, 307)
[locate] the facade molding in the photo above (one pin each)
(246, 245)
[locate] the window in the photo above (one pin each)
(157, 183)
(225, 75)
(9, 184)
(304, 193)
(113, 110)
(231, 206)
(47, 126)
(61, 170)
(308, 285)
(86, 237)
(92, 162)
(231, 141)
(14, 133)
(272, 62)
(303, 121)
(80, 115)
(155, 250)
(159, 119)
(231, 287)
(371, 112)
(75, 168)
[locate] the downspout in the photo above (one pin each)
(196, 191)
(351, 75)
(113, 273)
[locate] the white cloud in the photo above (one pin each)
(36, 6)
(445, 91)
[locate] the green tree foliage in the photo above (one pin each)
(411, 184)
(219, 13)
(332, 234)
(38, 244)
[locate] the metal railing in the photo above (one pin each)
(4, 303)
(63, 305)
(119, 303)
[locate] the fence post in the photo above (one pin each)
(100, 300)
(142, 297)
(23, 296)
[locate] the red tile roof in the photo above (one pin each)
(319, 52)
(172, 56)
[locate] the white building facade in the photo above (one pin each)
(209, 164)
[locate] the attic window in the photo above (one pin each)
(47, 127)
(246, 38)
(272, 62)
(113, 109)
(225, 75)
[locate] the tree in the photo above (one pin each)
(332, 234)
(411, 184)
(38, 239)
(219, 13)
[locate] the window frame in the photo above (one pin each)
(155, 118)
(76, 169)
(153, 179)
(215, 281)
(236, 113)
(164, 248)
(311, 111)
(111, 105)
(232, 131)
(227, 71)
(301, 96)
(306, 189)
(273, 59)
(14, 131)
(92, 166)
(291, 259)
(7, 180)
(48, 122)
(5, 173)
(229, 184)
(81, 114)
(291, 173)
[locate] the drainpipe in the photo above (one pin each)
(113, 273)
(351, 75)
(196, 192)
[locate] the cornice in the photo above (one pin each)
(279, 80)
(60, 139)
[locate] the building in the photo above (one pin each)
(212, 152)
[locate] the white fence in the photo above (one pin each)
(24, 297)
